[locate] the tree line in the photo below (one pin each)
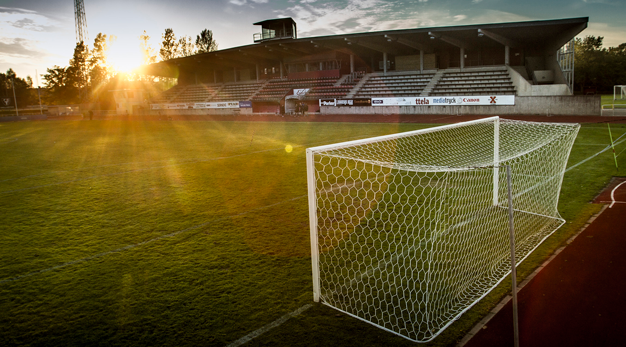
(597, 68)
(23, 89)
(89, 77)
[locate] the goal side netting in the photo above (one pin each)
(408, 231)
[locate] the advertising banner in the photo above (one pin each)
(199, 105)
(479, 100)
(245, 104)
(354, 102)
(328, 102)
(168, 106)
(300, 91)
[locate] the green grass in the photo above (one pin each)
(191, 233)
(608, 100)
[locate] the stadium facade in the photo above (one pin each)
(503, 68)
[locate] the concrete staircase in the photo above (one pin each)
(433, 82)
(358, 86)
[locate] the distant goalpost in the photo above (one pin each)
(619, 92)
(408, 231)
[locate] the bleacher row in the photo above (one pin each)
(398, 85)
(495, 81)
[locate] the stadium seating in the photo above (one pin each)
(453, 82)
(394, 85)
(237, 91)
(168, 95)
(494, 81)
(277, 89)
(197, 93)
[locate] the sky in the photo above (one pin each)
(39, 34)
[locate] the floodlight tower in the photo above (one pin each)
(81, 21)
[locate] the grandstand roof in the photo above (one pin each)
(539, 37)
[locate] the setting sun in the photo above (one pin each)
(124, 58)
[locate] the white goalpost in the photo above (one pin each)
(619, 92)
(408, 231)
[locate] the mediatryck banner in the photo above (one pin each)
(480, 100)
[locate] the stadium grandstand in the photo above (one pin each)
(522, 67)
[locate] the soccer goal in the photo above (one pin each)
(408, 231)
(619, 92)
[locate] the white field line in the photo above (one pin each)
(121, 249)
(613, 194)
(269, 326)
(615, 143)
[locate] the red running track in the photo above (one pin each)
(579, 298)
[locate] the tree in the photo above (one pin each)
(61, 90)
(205, 42)
(22, 86)
(78, 72)
(599, 67)
(99, 71)
(186, 47)
(169, 45)
(146, 49)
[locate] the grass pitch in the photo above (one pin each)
(191, 233)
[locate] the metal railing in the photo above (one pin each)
(271, 36)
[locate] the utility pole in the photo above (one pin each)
(38, 92)
(17, 113)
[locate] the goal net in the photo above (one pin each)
(408, 231)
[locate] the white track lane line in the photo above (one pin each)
(613, 194)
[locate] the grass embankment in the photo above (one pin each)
(191, 233)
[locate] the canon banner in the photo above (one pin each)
(480, 100)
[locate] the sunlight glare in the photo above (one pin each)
(124, 58)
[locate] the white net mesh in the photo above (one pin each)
(409, 231)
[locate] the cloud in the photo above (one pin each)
(15, 10)
(30, 24)
(243, 2)
(605, 2)
(495, 16)
(17, 47)
(613, 36)
(355, 16)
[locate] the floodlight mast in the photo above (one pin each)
(81, 21)
(82, 36)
